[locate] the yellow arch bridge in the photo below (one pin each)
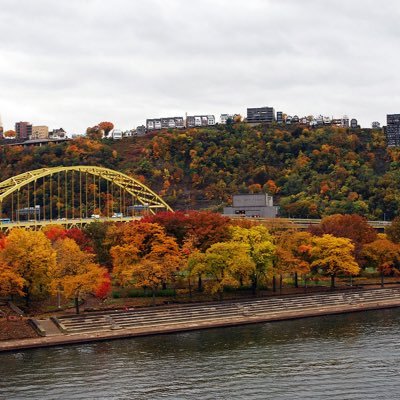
(74, 196)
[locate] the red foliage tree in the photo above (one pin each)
(81, 239)
(106, 126)
(176, 223)
(55, 232)
(104, 288)
(204, 227)
(2, 241)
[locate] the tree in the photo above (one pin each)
(10, 134)
(352, 226)
(94, 133)
(393, 230)
(75, 274)
(204, 227)
(383, 255)
(207, 228)
(30, 255)
(260, 249)
(97, 233)
(106, 127)
(226, 264)
(11, 283)
(104, 289)
(294, 252)
(176, 223)
(55, 232)
(145, 257)
(333, 255)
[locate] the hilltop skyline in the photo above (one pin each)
(77, 63)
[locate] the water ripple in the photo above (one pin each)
(338, 357)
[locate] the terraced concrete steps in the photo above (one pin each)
(200, 313)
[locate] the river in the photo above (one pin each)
(353, 356)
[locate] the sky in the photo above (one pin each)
(75, 63)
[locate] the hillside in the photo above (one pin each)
(311, 173)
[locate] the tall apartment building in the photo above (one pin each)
(164, 123)
(40, 132)
(393, 129)
(23, 130)
(199, 120)
(260, 114)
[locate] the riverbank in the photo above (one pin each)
(130, 323)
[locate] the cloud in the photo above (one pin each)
(75, 63)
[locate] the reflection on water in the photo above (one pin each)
(353, 356)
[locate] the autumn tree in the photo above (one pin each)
(260, 249)
(11, 283)
(10, 134)
(353, 227)
(224, 264)
(75, 274)
(96, 232)
(94, 132)
(176, 223)
(145, 257)
(393, 230)
(54, 232)
(30, 255)
(332, 256)
(383, 255)
(104, 289)
(205, 227)
(106, 127)
(293, 253)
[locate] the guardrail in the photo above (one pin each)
(305, 222)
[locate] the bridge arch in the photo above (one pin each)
(140, 193)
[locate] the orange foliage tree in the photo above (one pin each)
(75, 274)
(146, 256)
(106, 126)
(384, 255)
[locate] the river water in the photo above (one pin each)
(353, 356)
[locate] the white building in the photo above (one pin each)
(116, 134)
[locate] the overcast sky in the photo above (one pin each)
(74, 63)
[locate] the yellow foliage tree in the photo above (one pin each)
(226, 264)
(31, 256)
(260, 249)
(383, 255)
(75, 274)
(333, 255)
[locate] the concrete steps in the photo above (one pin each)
(200, 313)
